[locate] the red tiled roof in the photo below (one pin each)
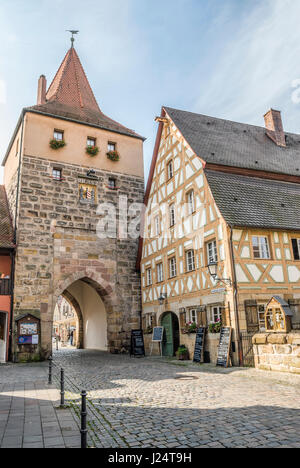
(6, 228)
(70, 96)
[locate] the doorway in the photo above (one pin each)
(171, 339)
(3, 334)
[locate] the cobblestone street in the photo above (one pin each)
(154, 403)
(147, 403)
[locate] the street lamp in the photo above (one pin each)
(213, 271)
(162, 298)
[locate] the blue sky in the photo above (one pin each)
(226, 58)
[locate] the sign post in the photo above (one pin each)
(137, 348)
(199, 345)
(224, 347)
(158, 333)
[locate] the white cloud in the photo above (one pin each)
(2, 92)
(258, 65)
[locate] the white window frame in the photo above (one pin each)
(261, 309)
(191, 202)
(262, 248)
(212, 251)
(56, 173)
(170, 170)
(160, 272)
(91, 142)
(172, 215)
(110, 185)
(111, 146)
(172, 267)
(157, 225)
(58, 135)
(149, 277)
(192, 313)
(215, 313)
(190, 260)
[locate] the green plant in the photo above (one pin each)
(92, 150)
(56, 144)
(215, 327)
(191, 327)
(113, 155)
(182, 353)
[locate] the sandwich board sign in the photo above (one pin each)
(157, 337)
(199, 345)
(137, 343)
(224, 347)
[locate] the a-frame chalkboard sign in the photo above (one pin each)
(224, 347)
(199, 345)
(137, 348)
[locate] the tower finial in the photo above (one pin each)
(73, 32)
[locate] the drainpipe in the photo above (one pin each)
(19, 178)
(236, 306)
(12, 279)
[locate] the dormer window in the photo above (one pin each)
(58, 135)
(91, 142)
(111, 146)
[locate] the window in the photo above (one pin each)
(149, 277)
(261, 310)
(157, 225)
(261, 247)
(212, 252)
(172, 267)
(192, 315)
(56, 174)
(190, 260)
(170, 170)
(149, 320)
(112, 183)
(296, 248)
(191, 202)
(111, 146)
(91, 141)
(160, 272)
(215, 314)
(172, 215)
(58, 135)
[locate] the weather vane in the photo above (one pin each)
(73, 32)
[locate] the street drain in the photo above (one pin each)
(186, 377)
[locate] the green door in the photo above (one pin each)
(168, 341)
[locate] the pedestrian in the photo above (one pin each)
(71, 337)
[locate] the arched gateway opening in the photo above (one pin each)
(87, 299)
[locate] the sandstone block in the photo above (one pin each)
(259, 339)
(276, 338)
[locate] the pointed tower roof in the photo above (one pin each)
(70, 96)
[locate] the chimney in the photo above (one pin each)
(274, 127)
(41, 96)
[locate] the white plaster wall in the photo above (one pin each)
(94, 316)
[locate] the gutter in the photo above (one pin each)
(236, 306)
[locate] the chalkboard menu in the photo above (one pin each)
(158, 333)
(224, 347)
(199, 345)
(137, 343)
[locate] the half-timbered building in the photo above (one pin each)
(222, 228)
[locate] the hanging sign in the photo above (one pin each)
(224, 347)
(158, 333)
(199, 345)
(137, 343)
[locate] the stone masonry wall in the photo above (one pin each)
(58, 244)
(277, 352)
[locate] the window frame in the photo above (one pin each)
(260, 248)
(191, 204)
(172, 267)
(157, 226)
(111, 143)
(215, 255)
(212, 313)
(191, 312)
(89, 139)
(159, 272)
(115, 183)
(170, 173)
(149, 277)
(172, 215)
(191, 261)
(297, 240)
(55, 176)
(56, 132)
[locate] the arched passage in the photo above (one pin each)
(171, 340)
(92, 303)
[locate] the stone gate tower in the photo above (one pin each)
(64, 159)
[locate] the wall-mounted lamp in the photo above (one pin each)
(162, 298)
(91, 172)
(213, 271)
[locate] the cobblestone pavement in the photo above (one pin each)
(162, 403)
(29, 413)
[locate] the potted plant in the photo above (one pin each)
(215, 327)
(92, 150)
(56, 144)
(190, 327)
(113, 155)
(182, 353)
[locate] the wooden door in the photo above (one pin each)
(168, 340)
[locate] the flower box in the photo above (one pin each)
(113, 155)
(92, 150)
(57, 144)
